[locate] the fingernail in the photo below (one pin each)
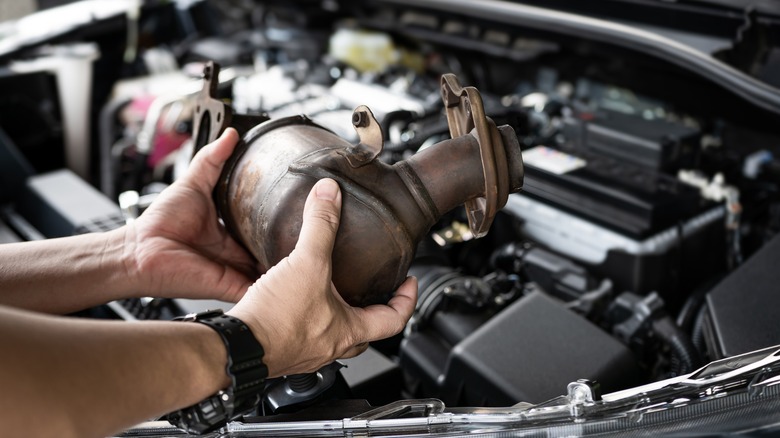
(326, 189)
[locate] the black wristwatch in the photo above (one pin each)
(246, 370)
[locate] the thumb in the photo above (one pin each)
(321, 216)
(207, 164)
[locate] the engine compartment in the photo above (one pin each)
(650, 183)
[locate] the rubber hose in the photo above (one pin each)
(698, 331)
(680, 344)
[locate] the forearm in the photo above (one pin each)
(67, 274)
(92, 378)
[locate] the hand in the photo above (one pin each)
(297, 314)
(177, 246)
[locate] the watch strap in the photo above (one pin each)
(245, 354)
(244, 366)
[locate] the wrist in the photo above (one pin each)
(130, 276)
(207, 350)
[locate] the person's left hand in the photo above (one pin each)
(178, 248)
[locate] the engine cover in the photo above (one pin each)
(526, 353)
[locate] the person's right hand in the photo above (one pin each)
(178, 249)
(297, 314)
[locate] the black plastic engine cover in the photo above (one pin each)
(528, 352)
(743, 308)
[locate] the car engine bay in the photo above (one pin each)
(642, 246)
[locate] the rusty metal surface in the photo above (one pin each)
(379, 229)
(387, 210)
(466, 114)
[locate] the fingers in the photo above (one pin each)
(383, 321)
(209, 161)
(234, 285)
(321, 216)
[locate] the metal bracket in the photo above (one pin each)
(212, 115)
(281, 394)
(371, 138)
(465, 113)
